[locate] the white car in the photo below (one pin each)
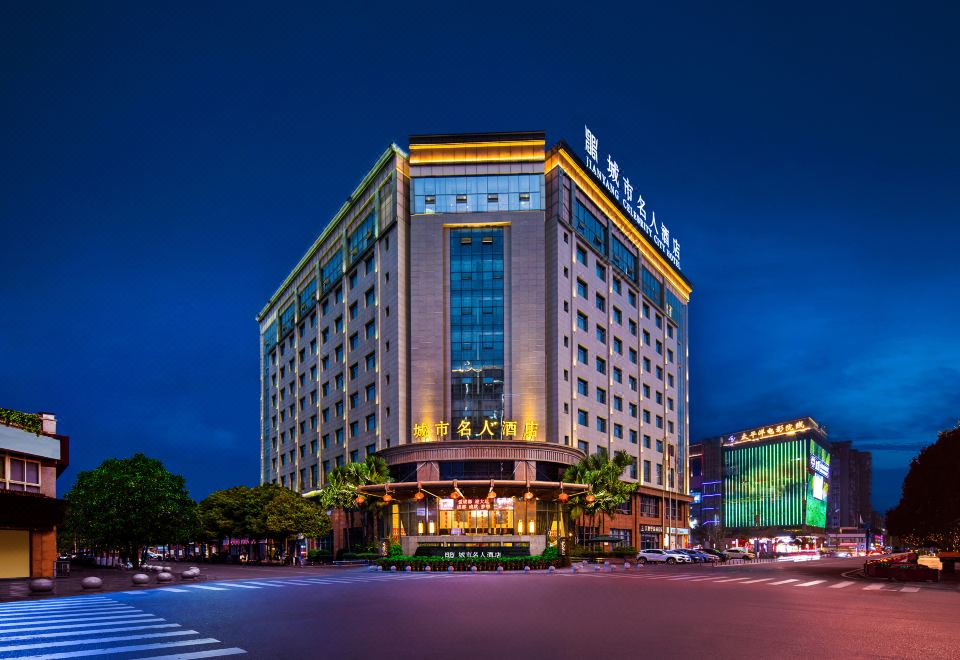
(681, 557)
(738, 553)
(658, 556)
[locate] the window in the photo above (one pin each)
(371, 449)
(601, 424)
(21, 474)
(633, 327)
(370, 297)
(355, 456)
(646, 391)
(601, 335)
(646, 311)
(588, 226)
(582, 387)
(646, 441)
(583, 446)
(617, 375)
(633, 410)
(581, 255)
(617, 316)
(669, 426)
(371, 392)
(582, 289)
(633, 356)
(659, 373)
(601, 395)
(371, 329)
(669, 403)
(371, 421)
(659, 347)
(646, 416)
(670, 356)
(659, 474)
(618, 431)
(659, 421)
(354, 429)
(659, 398)
(632, 299)
(646, 475)
(670, 380)
(633, 383)
(623, 259)
(601, 366)
(616, 285)
(583, 356)
(633, 436)
(582, 321)
(354, 341)
(618, 403)
(601, 303)
(601, 272)
(354, 400)
(354, 310)
(371, 361)
(652, 287)
(660, 446)
(354, 370)
(583, 419)
(646, 365)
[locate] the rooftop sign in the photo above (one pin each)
(621, 188)
(765, 432)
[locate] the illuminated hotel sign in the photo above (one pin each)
(476, 504)
(622, 190)
(765, 432)
(465, 430)
(819, 466)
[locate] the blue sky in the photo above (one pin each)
(163, 169)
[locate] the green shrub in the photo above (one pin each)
(316, 556)
(395, 550)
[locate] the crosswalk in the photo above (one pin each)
(788, 583)
(91, 626)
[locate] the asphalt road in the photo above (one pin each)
(772, 611)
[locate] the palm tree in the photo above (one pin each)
(603, 475)
(340, 491)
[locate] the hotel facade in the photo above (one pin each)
(482, 312)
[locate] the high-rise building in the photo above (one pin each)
(850, 487)
(483, 312)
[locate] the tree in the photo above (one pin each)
(604, 476)
(287, 514)
(929, 510)
(225, 514)
(340, 491)
(128, 504)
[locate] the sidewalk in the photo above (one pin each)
(115, 579)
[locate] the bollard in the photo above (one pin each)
(140, 578)
(379, 569)
(574, 568)
(393, 569)
(371, 569)
(93, 582)
(449, 569)
(551, 570)
(427, 568)
(526, 569)
(473, 569)
(408, 568)
(596, 568)
(161, 577)
(41, 585)
(499, 569)
(613, 568)
(626, 566)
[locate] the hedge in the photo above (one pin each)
(465, 564)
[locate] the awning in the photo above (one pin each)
(30, 510)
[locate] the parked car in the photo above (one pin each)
(680, 556)
(739, 553)
(655, 556)
(700, 557)
(713, 552)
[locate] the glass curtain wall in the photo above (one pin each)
(476, 329)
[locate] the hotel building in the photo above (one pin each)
(482, 312)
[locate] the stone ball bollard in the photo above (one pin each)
(408, 568)
(427, 568)
(371, 569)
(164, 577)
(140, 578)
(499, 569)
(168, 569)
(626, 566)
(526, 569)
(379, 569)
(473, 569)
(41, 585)
(574, 568)
(393, 569)
(91, 583)
(596, 569)
(449, 569)
(187, 575)
(551, 570)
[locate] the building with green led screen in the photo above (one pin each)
(776, 479)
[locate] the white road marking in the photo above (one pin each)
(873, 587)
(174, 590)
(733, 579)
(122, 649)
(760, 580)
(684, 577)
(784, 581)
(909, 590)
(95, 640)
(237, 585)
(57, 608)
(810, 584)
(111, 621)
(841, 585)
(206, 588)
(104, 616)
(213, 653)
(98, 631)
(33, 616)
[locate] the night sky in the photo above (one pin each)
(161, 171)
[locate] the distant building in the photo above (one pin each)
(773, 482)
(32, 456)
(850, 487)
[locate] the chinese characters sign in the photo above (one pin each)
(466, 430)
(769, 432)
(621, 188)
(476, 504)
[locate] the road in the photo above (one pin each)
(771, 611)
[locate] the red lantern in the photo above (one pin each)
(528, 495)
(419, 495)
(563, 497)
(590, 498)
(455, 495)
(360, 499)
(388, 497)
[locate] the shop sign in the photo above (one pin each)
(819, 466)
(465, 430)
(765, 432)
(621, 189)
(651, 528)
(472, 552)
(476, 504)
